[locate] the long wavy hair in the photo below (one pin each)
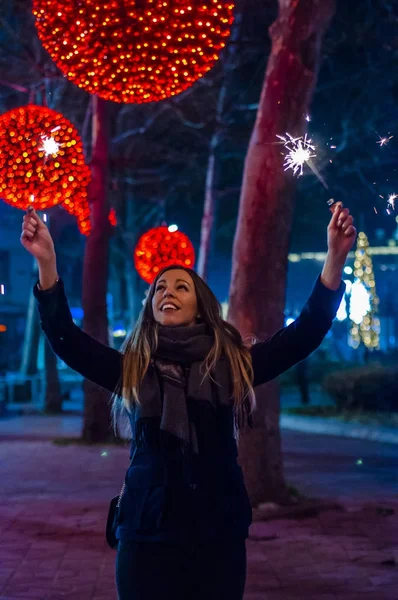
(141, 344)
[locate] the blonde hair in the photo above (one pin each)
(141, 344)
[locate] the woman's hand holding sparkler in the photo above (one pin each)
(341, 238)
(37, 240)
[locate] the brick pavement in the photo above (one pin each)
(54, 502)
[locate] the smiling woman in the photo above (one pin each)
(174, 301)
(185, 383)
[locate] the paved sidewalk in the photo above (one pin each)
(335, 427)
(54, 500)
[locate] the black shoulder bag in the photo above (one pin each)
(112, 521)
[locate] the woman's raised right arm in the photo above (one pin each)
(82, 353)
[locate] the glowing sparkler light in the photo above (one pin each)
(300, 152)
(391, 200)
(50, 147)
(383, 141)
(2, 289)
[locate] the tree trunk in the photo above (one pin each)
(134, 304)
(257, 293)
(210, 204)
(97, 421)
(206, 229)
(53, 399)
(32, 332)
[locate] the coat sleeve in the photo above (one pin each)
(294, 343)
(82, 353)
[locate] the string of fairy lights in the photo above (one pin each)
(367, 331)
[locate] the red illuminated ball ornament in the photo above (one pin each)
(159, 248)
(42, 162)
(134, 50)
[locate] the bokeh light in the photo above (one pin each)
(159, 248)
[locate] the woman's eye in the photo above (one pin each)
(184, 287)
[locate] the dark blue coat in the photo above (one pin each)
(161, 501)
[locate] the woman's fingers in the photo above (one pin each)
(350, 231)
(35, 217)
(342, 220)
(28, 220)
(342, 217)
(31, 228)
(336, 213)
(29, 224)
(32, 214)
(347, 223)
(27, 235)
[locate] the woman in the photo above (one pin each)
(185, 381)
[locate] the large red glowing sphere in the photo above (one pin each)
(134, 50)
(42, 162)
(158, 248)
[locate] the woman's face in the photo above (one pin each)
(174, 301)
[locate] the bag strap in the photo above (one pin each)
(124, 482)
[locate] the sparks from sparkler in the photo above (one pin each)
(300, 152)
(391, 200)
(49, 146)
(383, 141)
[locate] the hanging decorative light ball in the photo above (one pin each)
(134, 51)
(42, 162)
(158, 248)
(81, 211)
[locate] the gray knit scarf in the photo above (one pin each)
(175, 380)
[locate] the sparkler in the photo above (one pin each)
(2, 289)
(301, 151)
(391, 200)
(50, 147)
(383, 141)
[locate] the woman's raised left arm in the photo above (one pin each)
(294, 343)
